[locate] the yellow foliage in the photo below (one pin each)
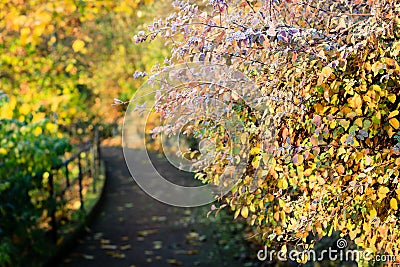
(37, 131)
(395, 123)
(78, 45)
(245, 212)
(393, 204)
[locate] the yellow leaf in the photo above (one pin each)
(243, 138)
(245, 212)
(353, 234)
(25, 32)
(283, 184)
(236, 213)
(24, 109)
(392, 98)
(255, 151)
(69, 67)
(356, 101)
(256, 162)
(373, 213)
(382, 192)
(359, 122)
(3, 151)
(284, 249)
(390, 61)
(298, 159)
(340, 169)
(393, 204)
(252, 208)
(308, 172)
(37, 131)
(326, 72)
(319, 109)
(78, 45)
(38, 117)
(394, 122)
(393, 114)
(376, 67)
(51, 127)
(376, 87)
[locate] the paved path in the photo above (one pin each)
(133, 229)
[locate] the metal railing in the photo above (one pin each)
(87, 161)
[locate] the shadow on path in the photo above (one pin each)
(133, 229)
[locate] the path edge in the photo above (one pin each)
(71, 239)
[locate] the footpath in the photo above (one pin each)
(134, 230)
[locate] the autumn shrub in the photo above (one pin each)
(324, 140)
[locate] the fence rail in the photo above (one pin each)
(87, 161)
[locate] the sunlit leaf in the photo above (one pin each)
(395, 123)
(393, 204)
(78, 45)
(245, 212)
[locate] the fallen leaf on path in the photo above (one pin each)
(157, 244)
(88, 257)
(105, 246)
(202, 238)
(97, 235)
(192, 236)
(125, 247)
(192, 252)
(158, 218)
(174, 262)
(187, 252)
(116, 254)
(128, 205)
(147, 232)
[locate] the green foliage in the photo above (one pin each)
(61, 64)
(26, 151)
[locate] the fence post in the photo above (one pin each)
(53, 207)
(67, 174)
(80, 176)
(97, 142)
(93, 166)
